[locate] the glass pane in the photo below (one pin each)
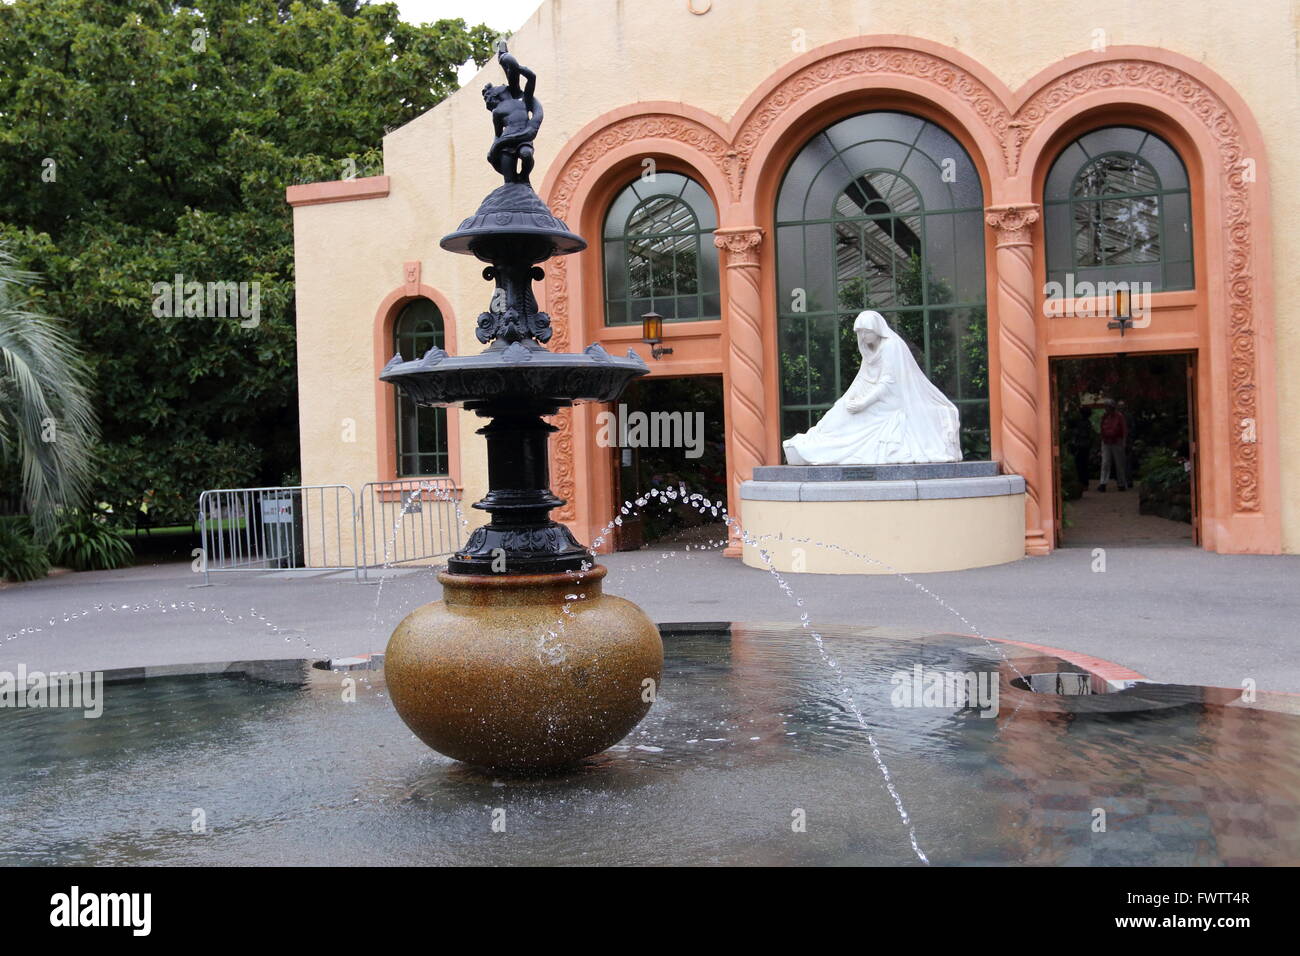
(1178, 226)
(687, 267)
(943, 171)
(973, 357)
(615, 270)
(418, 328)
(1178, 275)
(971, 234)
(1088, 233)
(941, 259)
(823, 359)
(1108, 139)
(850, 355)
(1168, 166)
(1057, 233)
(794, 422)
(708, 264)
(1061, 176)
(1131, 230)
(791, 337)
(698, 199)
(945, 327)
(616, 218)
(975, 430)
(790, 204)
(789, 269)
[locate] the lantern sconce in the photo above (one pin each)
(652, 333)
(1122, 308)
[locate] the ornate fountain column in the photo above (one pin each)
(744, 408)
(1017, 349)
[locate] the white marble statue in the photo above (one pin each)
(891, 414)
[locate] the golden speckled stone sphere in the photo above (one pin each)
(530, 672)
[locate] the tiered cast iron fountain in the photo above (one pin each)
(525, 663)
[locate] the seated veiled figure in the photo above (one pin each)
(891, 414)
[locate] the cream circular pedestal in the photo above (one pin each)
(882, 519)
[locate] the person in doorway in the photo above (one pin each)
(1079, 439)
(1114, 436)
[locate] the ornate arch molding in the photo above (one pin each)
(600, 152)
(1235, 194)
(929, 72)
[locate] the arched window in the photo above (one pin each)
(1116, 208)
(421, 431)
(659, 252)
(882, 211)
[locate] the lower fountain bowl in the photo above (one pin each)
(527, 672)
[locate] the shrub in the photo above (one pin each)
(21, 558)
(86, 542)
(1163, 470)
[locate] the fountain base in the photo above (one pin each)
(501, 675)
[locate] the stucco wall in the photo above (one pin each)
(593, 56)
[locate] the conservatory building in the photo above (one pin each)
(1055, 213)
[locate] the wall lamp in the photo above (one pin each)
(652, 333)
(1122, 308)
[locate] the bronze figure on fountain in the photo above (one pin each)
(516, 116)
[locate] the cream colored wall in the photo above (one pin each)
(595, 55)
(883, 537)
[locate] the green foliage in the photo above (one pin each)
(47, 424)
(1163, 470)
(21, 558)
(86, 542)
(174, 132)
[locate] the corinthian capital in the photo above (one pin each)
(741, 245)
(1012, 222)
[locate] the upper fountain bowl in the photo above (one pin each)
(519, 374)
(513, 213)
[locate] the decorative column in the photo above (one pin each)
(744, 400)
(1017, 345)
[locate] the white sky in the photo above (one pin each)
(502, 15)
(499, 14)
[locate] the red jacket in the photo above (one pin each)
(1113, 428)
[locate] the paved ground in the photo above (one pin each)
(1173, 613)
(1111, 518)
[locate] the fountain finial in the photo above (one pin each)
(516, 118)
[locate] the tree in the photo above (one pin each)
(141, 141)
(47, 423)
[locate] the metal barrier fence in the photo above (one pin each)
(323, 528)
(278, 529)
(412, 519)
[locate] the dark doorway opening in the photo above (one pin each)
(1144, 408)
(669, 434)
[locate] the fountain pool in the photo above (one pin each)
(749, 756)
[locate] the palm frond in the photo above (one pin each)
(48, 425)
